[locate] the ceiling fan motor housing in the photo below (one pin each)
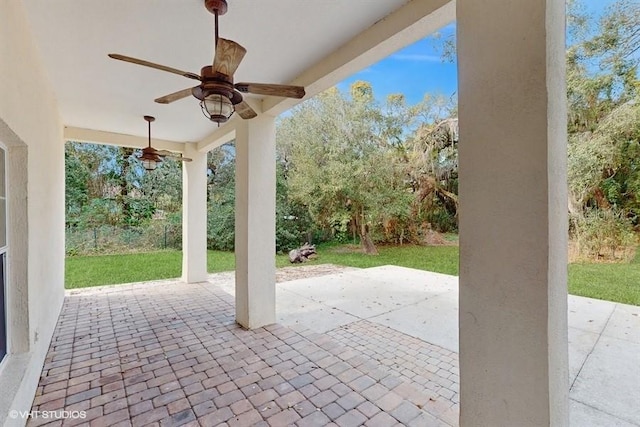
(215, 83)
(149, 153)
(214, 6)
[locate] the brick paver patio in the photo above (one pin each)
(171, 354)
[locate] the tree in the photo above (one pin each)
(163, 187)
(432, 164)
(108, 185)
(341, 161)
(293, 224)
(221, 198)
(87, 168)
(603, 123)
(76, 185)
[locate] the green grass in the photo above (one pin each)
(613, 282)
(85, 271)
(441, 259)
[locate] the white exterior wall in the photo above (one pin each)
(513, 213)
(31, 129)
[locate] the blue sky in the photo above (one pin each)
(419, 68)
(413, 71)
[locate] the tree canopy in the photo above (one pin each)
(354, 168)
(365, 170)
(604, 123)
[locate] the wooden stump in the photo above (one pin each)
(302, 254)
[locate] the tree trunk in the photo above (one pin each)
(367, 244)
(122, 198)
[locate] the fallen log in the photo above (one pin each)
(303, 253)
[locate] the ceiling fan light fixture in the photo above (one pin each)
(149, 157)
(149, 164)
(149, 160)
(217, 108)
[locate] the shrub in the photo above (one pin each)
(603, 234)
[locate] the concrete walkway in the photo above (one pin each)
(604, 337)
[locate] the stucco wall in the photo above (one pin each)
(32, 131)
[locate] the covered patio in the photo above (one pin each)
(372, 347)
(58, 84)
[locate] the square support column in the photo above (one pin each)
(513, 213)
(255, 222)
(194, 216)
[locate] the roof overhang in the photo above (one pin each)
(312, 44)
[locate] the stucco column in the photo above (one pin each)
(513, 213)
(194, 216)
(255, 222)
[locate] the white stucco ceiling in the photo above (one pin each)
(283, 38)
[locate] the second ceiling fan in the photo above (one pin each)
(219, 96)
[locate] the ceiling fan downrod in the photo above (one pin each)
(150, 158)
(149, 119)
(218, 8)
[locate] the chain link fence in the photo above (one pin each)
(108, 239)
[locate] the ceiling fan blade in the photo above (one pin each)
(171, 154)
(175, 96)
(245, 111)
(271, 89)
(165, 153)
(228, 56)
(153, 65)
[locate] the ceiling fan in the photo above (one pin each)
(150, 157)
(219, 96)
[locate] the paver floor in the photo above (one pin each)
(172, 354)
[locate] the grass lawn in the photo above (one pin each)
(84, 271)
(441, 259)
(613, 282)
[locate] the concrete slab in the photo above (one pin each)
(581, 344)
(625, 324)
(361, 295)
(604, 337)
(434, 320)
(397, 276)
(589, 314)
(582, 415)
(225, 280)
(609, 379)
(295, 310)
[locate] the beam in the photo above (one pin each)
(218, 137)
(406, 25)
(120, 139)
